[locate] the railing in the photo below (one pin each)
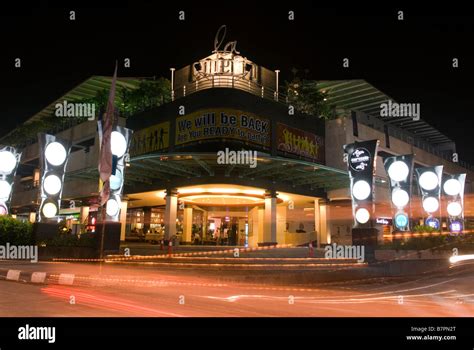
(232, 82)
(66, 123)
(411, 140)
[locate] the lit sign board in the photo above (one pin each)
(153, 138)
(300, 143)
(359, 159)
(383, 221)
(221, 123)
(401, 221)
(455, 226)
(432, 222)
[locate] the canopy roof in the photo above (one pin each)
(359, 95)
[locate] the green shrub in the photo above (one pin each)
(69, 240)
(438, 242)
(424, 228)
(15, 232)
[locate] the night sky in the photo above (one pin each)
(409, 60)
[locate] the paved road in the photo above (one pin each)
(193, 295)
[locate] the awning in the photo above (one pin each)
(161, 170)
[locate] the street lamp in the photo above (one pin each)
(54, 154)
(453, 188)
(429, 183)
(119, 142)
(399, 170)
(9, 159)
(361, 158)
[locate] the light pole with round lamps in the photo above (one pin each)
(9, 159)
(429, 184)
(400, 171)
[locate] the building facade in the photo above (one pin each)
(229, 161)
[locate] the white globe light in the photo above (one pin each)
(52, 184)
(112, 207)
(50, 210)
(398, 171)
(361, 190)
(362, 215)
(118, 144)
(454, 209)
(7, 162)
(5, 189)
(116, 180)
(400, 197)
(428, 180)
(430, 204)
(452, 187)
(55, 153)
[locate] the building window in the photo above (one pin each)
(355, 129)
(387, 136)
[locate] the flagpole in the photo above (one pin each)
(105, 162)
(103, 233)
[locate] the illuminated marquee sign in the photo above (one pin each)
(223, 124)
(153, 138)
(225, 60)
(300, 143)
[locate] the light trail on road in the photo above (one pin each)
(99, 300)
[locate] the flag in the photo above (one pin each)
(105, 130)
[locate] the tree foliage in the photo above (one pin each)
(149, 94)
(15, 232)
(305, 95)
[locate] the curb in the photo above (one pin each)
(273, 277)
(266, 277)
(36, 277)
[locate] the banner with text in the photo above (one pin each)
(219, 123)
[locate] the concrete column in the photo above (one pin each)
(170, 212)
(204, 225)
(253, 227)
(123, 220)
(317, 222)
(270, 218)
(187, 225)
(146, 219)
(281, 225)
(324, 234)
(260, 224)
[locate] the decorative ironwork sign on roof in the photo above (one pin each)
(225, 61)
(230, 47)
